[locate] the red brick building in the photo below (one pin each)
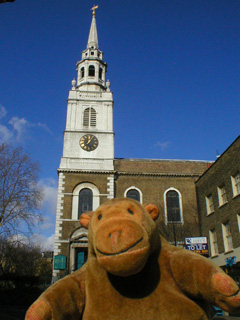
(218, 193)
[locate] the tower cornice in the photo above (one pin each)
(92, 59)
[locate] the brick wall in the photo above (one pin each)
(220, 173)
(153, 178)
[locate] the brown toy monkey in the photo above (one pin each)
(132, 273)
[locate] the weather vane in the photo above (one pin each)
(94, 8)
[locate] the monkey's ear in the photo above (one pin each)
(152, 210)
(85, 218)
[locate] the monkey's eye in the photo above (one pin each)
(130, 211)
(100, 217)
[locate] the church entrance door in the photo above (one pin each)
(80, 257)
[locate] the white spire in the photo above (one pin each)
(93, 38)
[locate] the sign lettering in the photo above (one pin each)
(197, 244)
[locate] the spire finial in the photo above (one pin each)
(93, 9)
(93, 38)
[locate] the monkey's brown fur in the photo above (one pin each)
(132, 273)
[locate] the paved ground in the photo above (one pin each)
(225, 318)
(13, 313)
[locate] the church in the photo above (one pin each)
(89, 174)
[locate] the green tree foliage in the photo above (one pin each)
(23, 260)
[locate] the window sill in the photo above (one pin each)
(208, 214)
(229, 251)
(174, 222)
(236, 195)
(222, 205)
(215, 256)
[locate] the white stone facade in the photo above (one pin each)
(90, 115)
(59, 215)
(89, 92)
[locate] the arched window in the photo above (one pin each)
(133, 193)
(173, 212)
(89, 117)
(85, 198)
(100, 73)
(91, 71)
(85, 201)
(82, 72)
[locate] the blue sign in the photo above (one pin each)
(60, 262)
(230, 261)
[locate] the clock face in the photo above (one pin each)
(88, 142)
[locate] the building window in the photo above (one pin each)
(100, 73)
(238, 220)
(133, 193)
(222, 195)
(85, 197)
(173, 210)
(85, 201)
(91, 71)
(82, 72)
(213, 242)
(209, 204)
(227, 237)
(89, 117)
(236, 184)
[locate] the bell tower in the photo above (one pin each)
(86, 171)
(89, 137)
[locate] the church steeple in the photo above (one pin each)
(92, 69)
(89, 136)
(86, 171)
(93, 37)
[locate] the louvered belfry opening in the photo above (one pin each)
(90, 117)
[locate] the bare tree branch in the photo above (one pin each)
(20, 194)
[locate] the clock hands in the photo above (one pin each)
(89, 140)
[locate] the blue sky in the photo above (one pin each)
(174, 68)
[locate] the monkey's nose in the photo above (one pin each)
(115, 237)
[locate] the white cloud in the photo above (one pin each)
(18, 129)
(163, 145)
(49, 203)
(49, 187)
(20, 126)
(3, 112)
(47, 224)
(43, 126)
(19, 238)
(49, 243)
(44, 242)
(5, 134)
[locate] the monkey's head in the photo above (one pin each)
(122, 235)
